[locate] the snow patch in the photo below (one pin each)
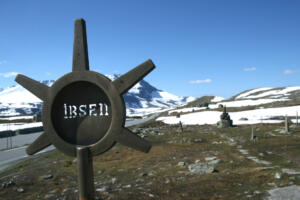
(277, 93)
(253, 116)
(249, 102)
(217, 99)
(183, 110)
(19, 126)
(251, 92)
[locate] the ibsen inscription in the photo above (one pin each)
(95, 109)
(81, 113)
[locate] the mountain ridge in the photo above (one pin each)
(141, 99)
(289, 92)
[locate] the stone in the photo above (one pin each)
(289, 192)
(196, 140)
(143, 174)
(224, 123)
(210, 158)
(100, 172)
(290, 171)
(65, 190)
(20, 190)
(46, 177)
(151, 195)
(243, 119)
(184, 194)
(53, 191)
(113, 180)
(127, 186)
(215, 161)
(139, 180)
(48, 196)
(225, 120)
(204, 167)
(151, 173)
(282, 131)
(181, 164)
(201, 168)
(149, 183)
(102, 189)
(243, 151)
(277, 175)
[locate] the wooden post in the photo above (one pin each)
(7, 136)
(287, 130)
(181, 127)
(85, 174)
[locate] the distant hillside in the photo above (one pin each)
(199, 102)
(288, 93)
(260, 105)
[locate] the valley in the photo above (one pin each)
(202, 162)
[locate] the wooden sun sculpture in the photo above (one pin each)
(84, 108)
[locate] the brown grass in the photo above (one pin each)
(236, 176)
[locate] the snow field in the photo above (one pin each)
(253, 116)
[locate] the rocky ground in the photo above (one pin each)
(202, 162)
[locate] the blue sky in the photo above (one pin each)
(199, 47)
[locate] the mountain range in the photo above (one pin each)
(141, 99)
(144, 98)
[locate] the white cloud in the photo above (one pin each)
(288, 72)
(3, 62)
(9, 74)
(248, 69)
(208, 80)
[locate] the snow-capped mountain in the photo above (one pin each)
(16, 100)
(142, 99)
(266, 97)
(270, 97)
(286, 93)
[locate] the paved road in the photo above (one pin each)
(18, 141)
(12, 156)
(139, 121)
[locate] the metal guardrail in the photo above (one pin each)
(9, 133)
